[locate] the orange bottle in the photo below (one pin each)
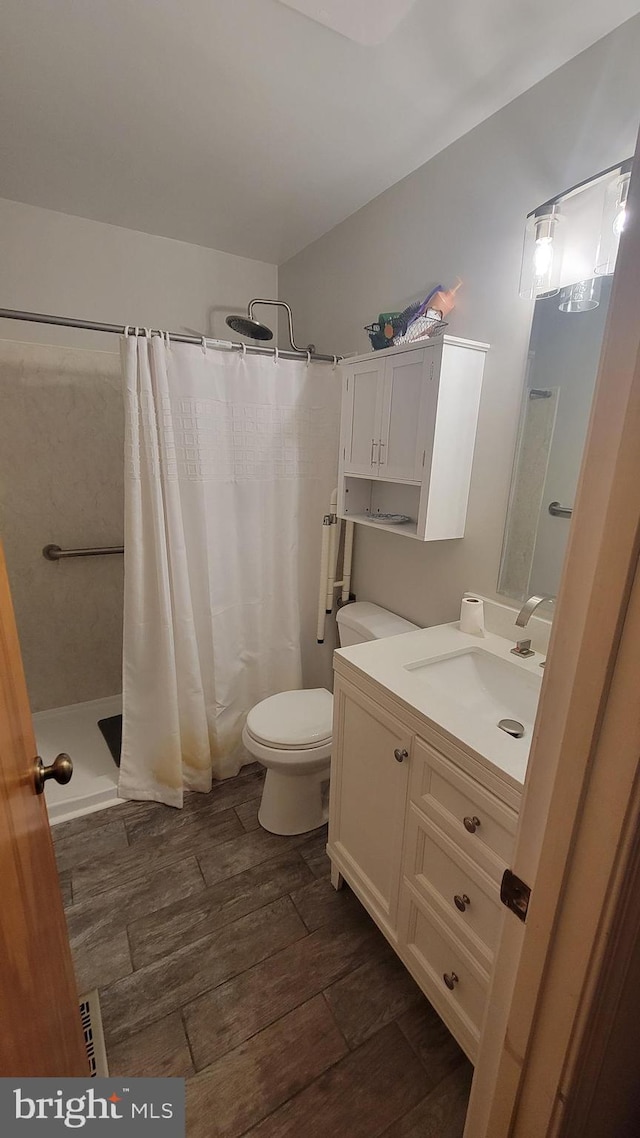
(443, 302)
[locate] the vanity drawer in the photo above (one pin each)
(452, 980)
(478, 822)
(466, 897)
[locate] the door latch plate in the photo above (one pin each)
(515, 894)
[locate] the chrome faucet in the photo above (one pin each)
(530, 606)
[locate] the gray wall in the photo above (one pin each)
(69, 266)
(61, 422)
(463, 214)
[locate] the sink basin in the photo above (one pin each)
(489, 688)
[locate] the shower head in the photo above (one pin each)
(247, 326)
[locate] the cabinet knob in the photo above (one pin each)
(461, 902)
(471, 824)
(450, 980)
(400, 754)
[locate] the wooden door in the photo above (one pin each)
(369, 779)
(578, 834)
(361, 415)
(408, 415)
(41, 1033)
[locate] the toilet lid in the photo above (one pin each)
(293, 718)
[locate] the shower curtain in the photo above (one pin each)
(221, 449)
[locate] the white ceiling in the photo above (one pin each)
(365, 21)
(242, 124)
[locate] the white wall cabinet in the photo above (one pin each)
(408, 427)
(422, 832)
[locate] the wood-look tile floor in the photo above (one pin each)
(223, 954)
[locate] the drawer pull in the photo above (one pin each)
(471, 824)
(400, 754)
(461, 902)
(450, 980)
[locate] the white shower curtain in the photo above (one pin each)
(219, 450)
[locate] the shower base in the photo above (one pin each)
(75, 730)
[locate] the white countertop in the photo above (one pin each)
(385, 662)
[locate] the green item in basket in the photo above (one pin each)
(382, 333)
(387, 320)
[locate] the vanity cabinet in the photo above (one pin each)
(422, 832)
(408, 427)
(367, 816)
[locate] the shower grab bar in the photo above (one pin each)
(55, 553)
(558, 511)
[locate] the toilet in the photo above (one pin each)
(290, 733)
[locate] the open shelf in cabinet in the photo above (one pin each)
(364, 498)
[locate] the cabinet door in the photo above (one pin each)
(368, 797)
(361, 416)
(410, 398)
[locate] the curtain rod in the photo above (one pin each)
(179, 337)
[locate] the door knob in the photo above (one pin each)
(450, 980)
(471, 824)
(400, 754)
(461, 902)
(61, 769)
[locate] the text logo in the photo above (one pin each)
(48, 1106)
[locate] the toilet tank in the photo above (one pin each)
(364, 621)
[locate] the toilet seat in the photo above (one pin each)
(312, 749)
(294, 760)
(293, 720)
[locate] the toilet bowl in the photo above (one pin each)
(290, 734)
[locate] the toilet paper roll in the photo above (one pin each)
(472, 616)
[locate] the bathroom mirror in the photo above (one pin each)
(570, 250)
(564, 352)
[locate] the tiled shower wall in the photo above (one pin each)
(61, 481)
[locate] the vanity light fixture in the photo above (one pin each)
(574, 237)
(613, 219)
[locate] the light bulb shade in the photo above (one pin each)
(583, 296)
(613, 219)
(619, 220)
(542, 254)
